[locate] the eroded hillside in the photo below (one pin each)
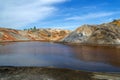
(107, 33)
(39, 34)
(11, 35)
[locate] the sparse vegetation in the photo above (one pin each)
(33, 29)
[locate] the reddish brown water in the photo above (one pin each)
(43, 54)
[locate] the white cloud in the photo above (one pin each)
(17, 13)
(92, 16)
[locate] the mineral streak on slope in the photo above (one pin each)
(11, 35)
(107, 33)
(39, 34)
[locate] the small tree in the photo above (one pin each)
(34, 28)
(114, 20)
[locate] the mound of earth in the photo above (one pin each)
(39, 34)
(107, 33)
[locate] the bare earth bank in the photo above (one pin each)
(37, 73)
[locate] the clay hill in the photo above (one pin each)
(7, 34)
(107, 33)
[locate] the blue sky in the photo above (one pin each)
(64, 14)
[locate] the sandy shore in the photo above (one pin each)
(37, 73)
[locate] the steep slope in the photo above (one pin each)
(11, 35)
(39, 34)
(108, 33)
(45, 34)
(105, 34)
(80, 35)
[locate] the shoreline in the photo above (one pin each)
(49, 73)
(66, 43)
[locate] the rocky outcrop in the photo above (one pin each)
(108, 33)
(80, 35)
(105, 34)
(39, 34)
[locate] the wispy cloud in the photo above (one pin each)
(97, 6)
(67, 27)
(89, 7)
(92, 16)
(14, 13)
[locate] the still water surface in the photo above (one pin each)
(43, 54)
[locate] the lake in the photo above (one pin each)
(44, 54)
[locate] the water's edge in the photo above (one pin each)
(48, 73)
(81, 57)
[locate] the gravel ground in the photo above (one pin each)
(37, 73)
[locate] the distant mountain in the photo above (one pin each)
(38, 34)
(107, 33)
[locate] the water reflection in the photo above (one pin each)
(91, 58)
(104, 54)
